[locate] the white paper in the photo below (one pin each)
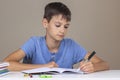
(46, 69)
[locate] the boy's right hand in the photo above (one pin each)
(52, 64)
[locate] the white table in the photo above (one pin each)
(102, 75)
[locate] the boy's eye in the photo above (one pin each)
(65, 27)
(57, 25)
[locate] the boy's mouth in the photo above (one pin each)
(61, 36)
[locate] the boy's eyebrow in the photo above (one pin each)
(58, 22)
(61, 23)
(67, 24)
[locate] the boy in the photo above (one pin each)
(52, 50)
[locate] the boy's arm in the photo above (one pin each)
(15, 65)
(95, 64)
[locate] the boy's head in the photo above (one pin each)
(57, 8)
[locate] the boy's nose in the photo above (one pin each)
(62, 30)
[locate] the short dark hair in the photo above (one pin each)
(56, 8)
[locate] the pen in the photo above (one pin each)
(91, 55)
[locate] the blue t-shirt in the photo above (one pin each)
(68, 54)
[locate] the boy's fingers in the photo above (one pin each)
(86, 67)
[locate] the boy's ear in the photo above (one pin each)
(45, 22)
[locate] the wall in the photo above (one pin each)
(95, 25)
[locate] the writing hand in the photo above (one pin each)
(86, 67)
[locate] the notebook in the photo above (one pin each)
(47, 70)
(4, 64)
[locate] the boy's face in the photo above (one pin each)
(56, 28)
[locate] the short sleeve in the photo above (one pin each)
(29, 47)
(79, 52)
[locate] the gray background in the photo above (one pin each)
(95, 25)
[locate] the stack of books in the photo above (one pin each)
(3, 69)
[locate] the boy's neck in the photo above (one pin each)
(52, 45)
